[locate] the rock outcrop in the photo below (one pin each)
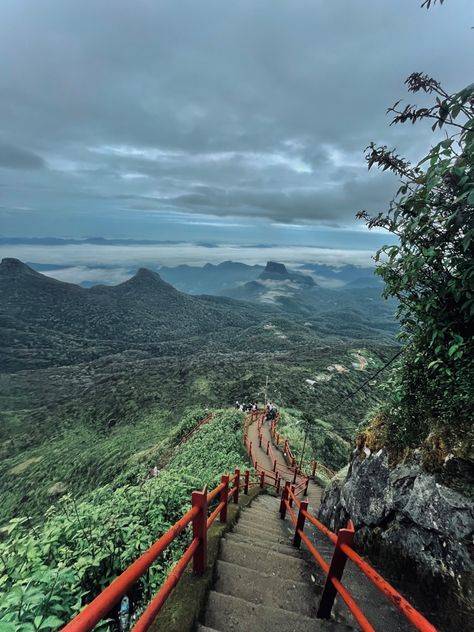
(411, 526)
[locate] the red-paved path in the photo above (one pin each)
(287, 474)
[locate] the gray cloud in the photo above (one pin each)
(17, 158)
(254, 109)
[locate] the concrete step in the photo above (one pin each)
(265, 501)
(267, 562)
(258, 524)
(263, 513)
(268, 522)
(264, 544)
(258, 534)
(204, 628)
(261, 588)
(228, 613)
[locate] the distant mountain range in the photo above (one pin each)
(46, 322)
(299, 295)
(227, 277)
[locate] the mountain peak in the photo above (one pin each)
(273, 267)
(14, 267)
(278, 272)
(144, 280)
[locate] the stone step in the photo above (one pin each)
(270, 514)
(260, 525)
(264, 513)
(204, 628)
(269, 518)
(257, 534)
(261, 588)
(265, 501)
(264, 544)
(267, 562)
(225, 612)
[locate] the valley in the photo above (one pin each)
(94, 380)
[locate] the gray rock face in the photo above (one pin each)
(412, 526)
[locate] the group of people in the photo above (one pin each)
(246, 408)
(271, 412)
(270, 409)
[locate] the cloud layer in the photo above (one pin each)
(115, 109)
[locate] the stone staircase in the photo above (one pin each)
(263, 583)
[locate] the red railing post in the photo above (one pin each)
(246, 482)
(294, 475)
(291, 497)
(262, 479)
(306, 487)
(224, 497)
(278, 482)
(336, 569)
(259, 439)
(199, 499)
(284, 498)
(268, 445)
(278, 438)
(300, 523)
(313, 470)
(236, 486)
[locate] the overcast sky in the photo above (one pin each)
(229, 121)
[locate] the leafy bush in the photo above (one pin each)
(48, 572)
(431, 272)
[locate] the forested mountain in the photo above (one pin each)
(91, 374)
(45, 322)
(337, 311)
(229, 276)
(210, 278)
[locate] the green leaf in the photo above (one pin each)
(51, 622)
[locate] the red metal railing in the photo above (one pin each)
(270, 477)
(334, 570)
(197, 551)
(315, 467)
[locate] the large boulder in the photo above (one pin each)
(411, 526)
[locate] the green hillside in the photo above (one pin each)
(51, 569)
(110, 415)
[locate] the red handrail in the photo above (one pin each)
(327, 473)
(171, 581)
(97, 609)
(334, 570)
(102, 604)
(342, 549)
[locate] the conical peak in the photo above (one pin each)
(14, 267)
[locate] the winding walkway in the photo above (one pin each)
(314, 490)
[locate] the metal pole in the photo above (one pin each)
(302, 451)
